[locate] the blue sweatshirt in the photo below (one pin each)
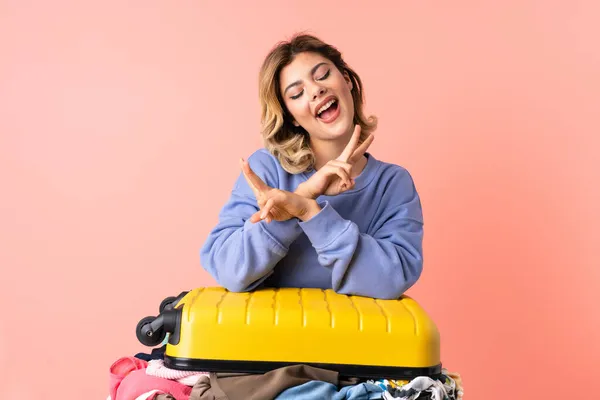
(367, 241)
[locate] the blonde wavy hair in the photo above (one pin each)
(290, 143)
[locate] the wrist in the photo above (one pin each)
(312, 208)
(302, 191)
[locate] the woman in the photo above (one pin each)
(314, 209)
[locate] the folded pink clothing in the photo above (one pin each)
(138, 382)
(120, 369)
(157, 368)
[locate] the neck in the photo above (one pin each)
(325, 151)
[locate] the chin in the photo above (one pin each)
(339, 128)
(337, 131)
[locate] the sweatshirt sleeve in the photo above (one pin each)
(240, 254)
(382, 264)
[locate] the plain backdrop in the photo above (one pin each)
(121, 126)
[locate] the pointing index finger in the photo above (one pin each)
(256, 184)
(358, 153)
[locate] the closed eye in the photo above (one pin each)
(324, 76)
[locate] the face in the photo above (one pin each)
(318, 96)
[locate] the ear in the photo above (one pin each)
(348, 80)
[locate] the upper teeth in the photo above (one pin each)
(326, 106)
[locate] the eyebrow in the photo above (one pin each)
(312, 71)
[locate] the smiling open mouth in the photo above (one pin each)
(329, 111)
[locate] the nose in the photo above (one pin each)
(318, 91)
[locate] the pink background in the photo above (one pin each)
(121, 124)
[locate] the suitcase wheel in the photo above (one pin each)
(147, 335)
(167, 302)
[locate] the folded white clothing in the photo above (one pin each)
(157, 368)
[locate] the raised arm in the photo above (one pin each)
(238, 253)
(383, 263)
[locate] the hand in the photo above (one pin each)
(335, 176)
(277, 204)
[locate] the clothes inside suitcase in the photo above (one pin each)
(212, 329)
